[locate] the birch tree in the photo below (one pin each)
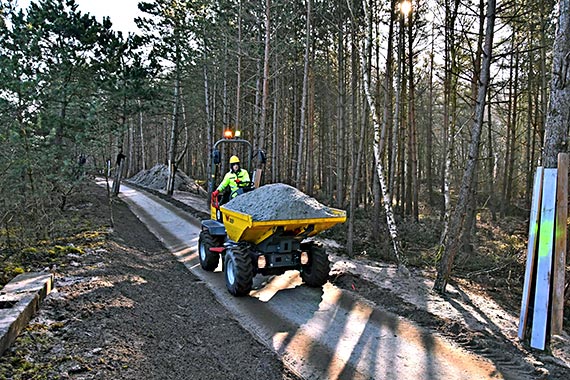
(456, 224)
(390, 220)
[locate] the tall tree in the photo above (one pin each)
(456, 224)
(391, 222)
(170, 29)
(265, 85)
(304, 96)
(557, 121)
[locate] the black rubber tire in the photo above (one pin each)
(238, 271)
(316, 272)
(208, 260)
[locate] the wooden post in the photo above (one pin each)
(531, 250)
(257, 179)
(559, 264)
(544, 267)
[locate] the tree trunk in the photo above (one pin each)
(412, 154)
(387, 121)
(397, 117)
(340, 118)
(543, 81)
(511, 186)
(529, 128)
(391, 222)
(456, 224)
(141, 132)
(492, 163)
(131, 147)
(265, 85)
(173, 134)
(470, 219)
(275, 134)
(209, 138)
(449, 108)
(311, 130)
(238, 69)
(558, 118)
(429, 132)
(302, 125)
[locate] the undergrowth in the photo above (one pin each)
(72, 233)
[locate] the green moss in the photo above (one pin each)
(59, 250)
(30, 251)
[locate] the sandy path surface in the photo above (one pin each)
(324, 333)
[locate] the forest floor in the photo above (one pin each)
(119, 298)
(124, 308)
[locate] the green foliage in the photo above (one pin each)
(65, 79)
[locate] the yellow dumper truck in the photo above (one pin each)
(264, 231)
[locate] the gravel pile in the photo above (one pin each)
(156, 177)
(279, 201)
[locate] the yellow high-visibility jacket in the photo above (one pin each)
(230, 180)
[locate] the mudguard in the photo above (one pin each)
(214, 227)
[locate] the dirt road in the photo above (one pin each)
(319, 333)
(127, 309)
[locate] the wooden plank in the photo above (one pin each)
(559, 264)
(544, 266)
(257, 178)
(531, 250)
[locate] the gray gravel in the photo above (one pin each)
(156, 177)
(278, 201)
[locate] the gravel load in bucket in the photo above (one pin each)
(279, 201)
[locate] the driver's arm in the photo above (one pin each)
(225, 182)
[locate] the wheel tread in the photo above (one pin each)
(316, 273)
(244, 272)
(207, 241)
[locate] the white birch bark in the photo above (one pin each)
(456, 223)
(391, 222)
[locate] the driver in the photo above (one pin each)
(233, 179)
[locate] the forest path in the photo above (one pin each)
(320, 333)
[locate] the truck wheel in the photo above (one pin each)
(316, 272)
(238, 271)
(208, 260)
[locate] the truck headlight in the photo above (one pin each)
(261, 262)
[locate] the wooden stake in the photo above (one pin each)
(559, 264)
(531, 250)
(257, 179)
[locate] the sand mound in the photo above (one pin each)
(279, 201)
(156, 177)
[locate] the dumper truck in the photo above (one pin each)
(249, 245)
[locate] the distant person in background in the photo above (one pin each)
(80, 169)
(120, 158)
(236, 179)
